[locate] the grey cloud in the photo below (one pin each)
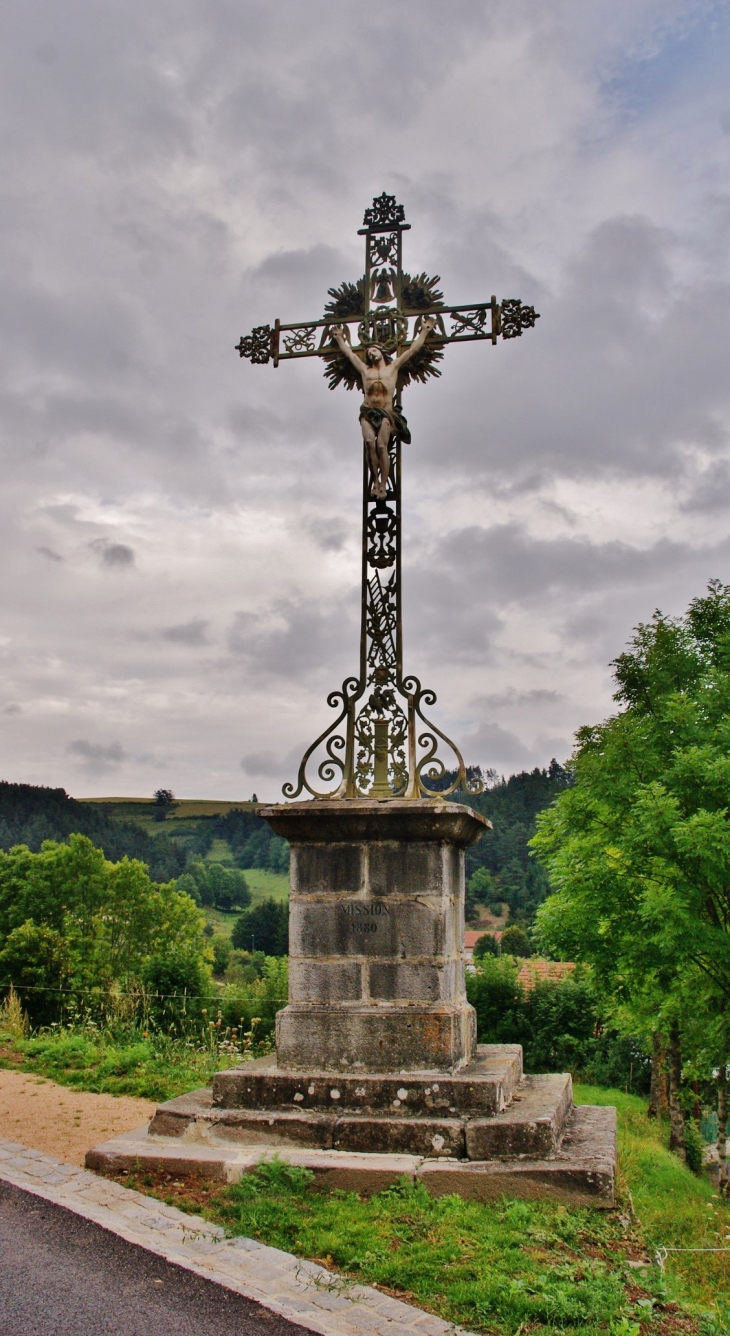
(514, 699)
(188, 633)
(12, 708)
(496, 748)
(296, 638)
(261, 763)
(49, 554)
(117, 555)
(96, 757)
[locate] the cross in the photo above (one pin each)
(381, 745)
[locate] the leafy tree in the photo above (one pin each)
(515, 942)
(177, 988)
(110, 917)
(638, 848)
(213, 884)
(164, 801)
(486, 945)
(222, 951)
(263, 928)
(35, 960)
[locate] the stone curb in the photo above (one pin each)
(298, 1290)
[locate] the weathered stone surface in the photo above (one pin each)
(582, 1173)
(409, 1136)
(394, 979)
(325, 980)
(373, 1038)
(430, 869)
(481, 1089)
(532, 1125)
(318, 929)
(334, 868)
(362, 819)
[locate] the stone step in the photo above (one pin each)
(533, 1124)
(581, 1173)
(484, 1087)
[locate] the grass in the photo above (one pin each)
(151, 1067)
(498, 1268)
(676, 1208)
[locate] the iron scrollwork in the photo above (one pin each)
(516, 317)
(256, 346)
(300, 340)
(385, 212)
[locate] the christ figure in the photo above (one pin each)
(379, 417)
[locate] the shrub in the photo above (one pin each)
(486, 945)
(178, 991)
(693, 1145)
(35, 959)
(515, 942)
(221, 953)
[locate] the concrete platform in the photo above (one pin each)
(581, 1172)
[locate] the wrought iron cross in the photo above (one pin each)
(381, 745)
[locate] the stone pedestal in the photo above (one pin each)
(376, 962)
(377, 1072)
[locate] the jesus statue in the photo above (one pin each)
(379, 417)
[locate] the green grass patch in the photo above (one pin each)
(676, 1208)
(150, 1066)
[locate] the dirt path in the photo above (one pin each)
(63, 1122)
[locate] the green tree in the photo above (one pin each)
(486, 945)
(263, 928)
(111, 918)
(638, 848)
(515, 942)
(35, 960)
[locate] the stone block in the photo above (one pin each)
(376, 1038)
(331, 868)
(533, 1124)
(405, 1136)
(390, 980)
(272, 1127)
(324, 981)
(396, 868)
(360, 927)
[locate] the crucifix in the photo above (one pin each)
(381, 745)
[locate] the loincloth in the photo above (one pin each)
(398, 424)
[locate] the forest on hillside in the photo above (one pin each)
(240, 838)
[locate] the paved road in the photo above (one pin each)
(61, 1275)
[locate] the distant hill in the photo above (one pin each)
(229, 832)
(30, 814)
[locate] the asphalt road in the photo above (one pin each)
(61, 1275)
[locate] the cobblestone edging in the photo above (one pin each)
(295, 1289)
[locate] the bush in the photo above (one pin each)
(35, 960)
(178, 991)
(515, 942)
(222, 951)
(557, 1023)
(693, 1145)
(263, 928)
(486, 945)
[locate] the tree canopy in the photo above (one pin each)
(638, 848)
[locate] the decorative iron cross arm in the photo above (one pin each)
(481, 320)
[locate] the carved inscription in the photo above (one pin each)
(363, 917)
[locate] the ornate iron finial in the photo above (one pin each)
(381, 744)
(384, 212)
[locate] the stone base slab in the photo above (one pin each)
(581, 1173)
(485, 1087)
(402, 1037)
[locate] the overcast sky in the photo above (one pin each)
(179, 535)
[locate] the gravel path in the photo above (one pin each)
(64, 1122)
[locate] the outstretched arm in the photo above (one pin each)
(338, 333)
(423, 333)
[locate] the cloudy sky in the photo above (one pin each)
(180, 529)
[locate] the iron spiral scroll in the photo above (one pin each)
(381, 744)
